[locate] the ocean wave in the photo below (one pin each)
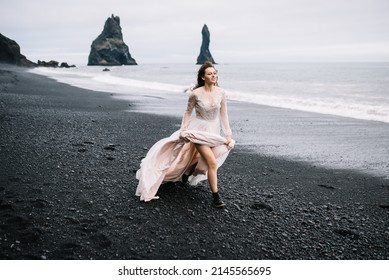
(132, 83)
(331, 106)
(343, 104)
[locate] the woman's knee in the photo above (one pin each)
(212, 163)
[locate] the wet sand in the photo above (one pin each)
(68, 158)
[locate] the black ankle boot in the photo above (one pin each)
(185, 178)
(217, 201)
(184, 181)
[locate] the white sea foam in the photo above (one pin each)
(124, 84)
(331, 106)
(349, 96)
(93, 78)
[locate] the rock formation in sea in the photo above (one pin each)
(66, 65)
(54, 64)
(205, 54)
(10, 53)
(108, 48)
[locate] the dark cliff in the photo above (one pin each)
(10, 53)
(109, 48)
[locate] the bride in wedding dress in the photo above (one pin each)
(195, 152)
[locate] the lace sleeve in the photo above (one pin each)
(224, 116)
(188, 112)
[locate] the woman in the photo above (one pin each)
(194, 152)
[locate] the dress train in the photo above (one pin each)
(171, 157)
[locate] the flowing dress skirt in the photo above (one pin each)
(171, 157)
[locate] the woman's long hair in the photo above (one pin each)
(201, 74)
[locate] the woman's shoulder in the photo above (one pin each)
(201, 89)
(192, 94)
(221, 91)
(197, 90)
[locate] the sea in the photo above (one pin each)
(335, 115)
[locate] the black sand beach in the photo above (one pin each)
(68, 158)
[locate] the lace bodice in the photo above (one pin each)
(209, 107)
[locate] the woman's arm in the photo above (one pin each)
(188, 112)
(224, 118)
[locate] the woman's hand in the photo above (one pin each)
(182, 137)
(228, 140)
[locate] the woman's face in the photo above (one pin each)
(210, 76)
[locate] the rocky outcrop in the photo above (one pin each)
(205, 54)
(66, 65)
(10, 53)
(109, 48)
(54, 64)
(51, 63)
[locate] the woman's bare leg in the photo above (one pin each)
(209, 157)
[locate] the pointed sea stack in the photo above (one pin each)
(205, 54)
(109, 48)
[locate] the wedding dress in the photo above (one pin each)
(171, 157)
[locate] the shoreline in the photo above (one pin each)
(68, 162)
(329, 141)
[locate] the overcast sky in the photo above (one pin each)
(170, 31)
